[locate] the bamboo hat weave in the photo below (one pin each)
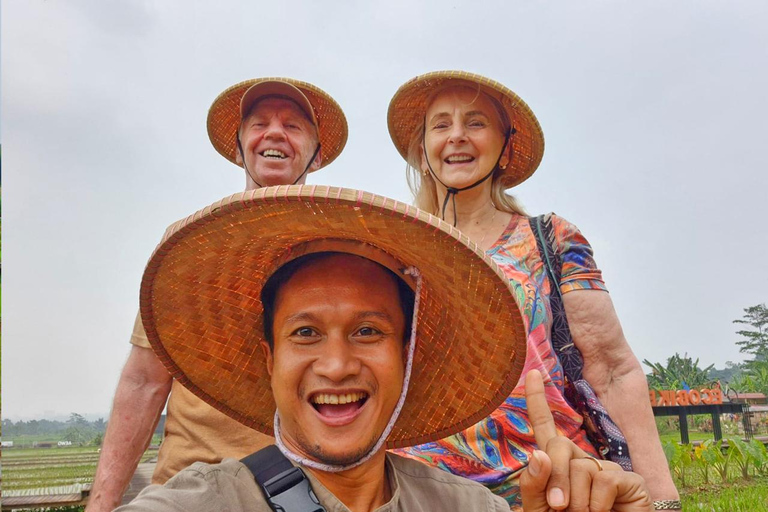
(201, 309)
(225, 115)
(409, 107)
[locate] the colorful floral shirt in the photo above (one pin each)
(496, 450)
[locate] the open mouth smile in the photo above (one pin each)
(338, 409)
(458, 159)
(273, 154)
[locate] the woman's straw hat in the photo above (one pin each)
(226, 112)
(409, 106)
(200, 302)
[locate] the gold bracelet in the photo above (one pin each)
(668, 505)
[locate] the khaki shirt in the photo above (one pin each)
(195, 431)
(230, 486)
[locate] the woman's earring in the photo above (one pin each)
(426, 172)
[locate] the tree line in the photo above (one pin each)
(77, 429)
(680, 372)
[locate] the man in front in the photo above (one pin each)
(278, 130)
(300, 312)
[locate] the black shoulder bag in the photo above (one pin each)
(601, 430)
(285, 486)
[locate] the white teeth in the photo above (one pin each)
(325, 398)
(273, 153)
(459, 158)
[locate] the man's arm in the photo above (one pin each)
(139, 400)
(619, 382)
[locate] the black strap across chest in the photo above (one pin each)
(285, 486)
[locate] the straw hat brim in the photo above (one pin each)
(201, 309)
(224, 119)
(409, 105)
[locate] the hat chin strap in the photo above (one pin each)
(336, 468)
(452, 192)
(245, 166)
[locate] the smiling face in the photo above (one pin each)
(337, 364)
(278, 140)
(464, 136)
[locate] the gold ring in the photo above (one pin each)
(599, 464)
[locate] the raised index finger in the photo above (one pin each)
(538, 409)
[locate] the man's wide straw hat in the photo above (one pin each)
(408, 109)
(224, 116)
(200, 302)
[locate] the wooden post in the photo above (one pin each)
(718, 431)
(684, 426)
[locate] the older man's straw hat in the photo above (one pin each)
(200, 302)
(409, 106)
(227, 110)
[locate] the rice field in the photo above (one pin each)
(48, 468)
(40, 471)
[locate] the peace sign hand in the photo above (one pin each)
(564, 477)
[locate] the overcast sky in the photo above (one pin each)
(655, 116)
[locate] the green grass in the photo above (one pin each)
(742, 496)
(692, 436)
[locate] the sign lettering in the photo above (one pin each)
(670, 397)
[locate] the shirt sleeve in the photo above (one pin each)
(139, 336)
(579, 270)
(188, 490)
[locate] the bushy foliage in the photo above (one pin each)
(747, 458)
(677, 373)
(754, 378)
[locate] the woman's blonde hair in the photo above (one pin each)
(422, 184)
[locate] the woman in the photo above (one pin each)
(466, 140)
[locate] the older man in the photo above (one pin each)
(278, 130)
(344, 323)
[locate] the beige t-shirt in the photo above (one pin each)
(195, 431)
(230, 486)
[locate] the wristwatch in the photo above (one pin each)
(668, 505)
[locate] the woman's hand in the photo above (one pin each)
(563, 476)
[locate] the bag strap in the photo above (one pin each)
(285, 486)
(562, 341)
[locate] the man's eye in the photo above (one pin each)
(304, 332)
(368, 331)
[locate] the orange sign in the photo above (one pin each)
(671, 397)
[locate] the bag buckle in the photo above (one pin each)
(290, 491)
